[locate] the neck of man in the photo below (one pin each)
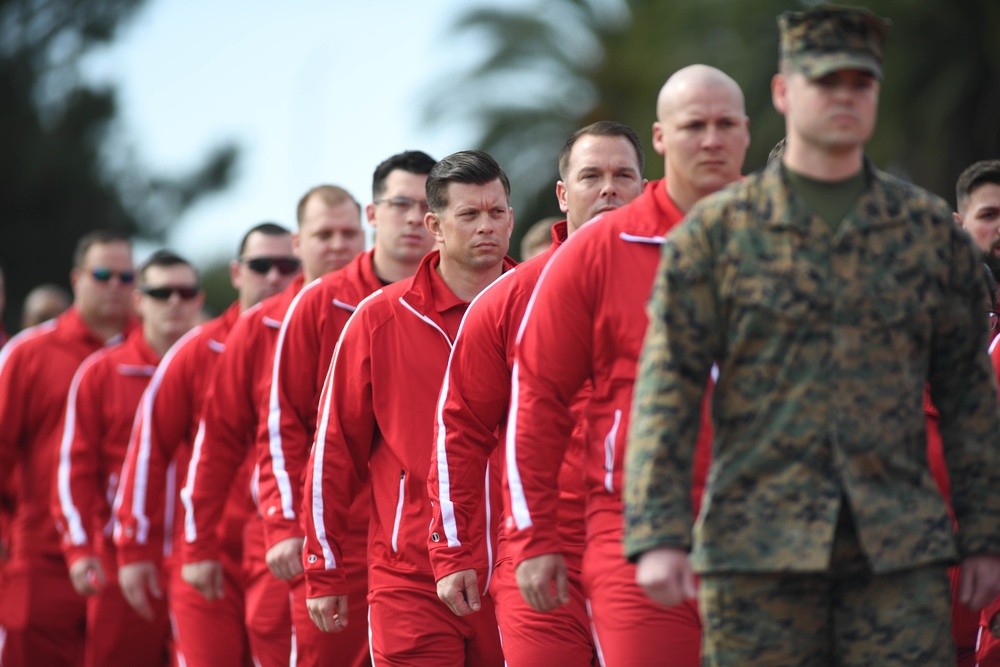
(684, 195)
(389, 269)
(823, 163)
(465, 281)
(158, 342)
(104, 329)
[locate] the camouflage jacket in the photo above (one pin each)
(824, 343)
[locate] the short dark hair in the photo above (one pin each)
(602, 128)
(98, 237)
(164, 258)
(976, 174)
(332, 195)
(415, 162)
(472, 167)
(266, 228)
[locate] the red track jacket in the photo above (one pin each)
(36, 370)
(236, 399)
(473, 407)
(100, 411)
(161, 445)
(586, 319)
(377, 422)
(302, 357)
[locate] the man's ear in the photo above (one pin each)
(433, 224)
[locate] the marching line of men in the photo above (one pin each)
(422, 454)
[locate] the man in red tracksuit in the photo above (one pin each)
(100, 410)
(590, 323)
(206, 633)
(376, 422)
(601, 170)
(43, 618)
(305, 344)
(329, 236)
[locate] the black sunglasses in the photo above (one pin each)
(164, 293)
(104, 274)
(262, 265)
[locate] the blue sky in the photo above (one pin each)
(313, 92)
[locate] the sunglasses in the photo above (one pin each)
(164, 293)
(286, 265)
(103, 274)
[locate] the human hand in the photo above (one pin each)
(329, 613)
(543, 581)
(665, 574)
(980, 580)
(135, 579)
(460, 591)
(206, 576)
(284, 559)
(87, 575)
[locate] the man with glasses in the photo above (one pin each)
(100, 410)
(43, 617)
(165, 432)
(329, 236)
(304, 350)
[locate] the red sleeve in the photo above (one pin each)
(227, 427)
(291, 416)
(472, 404)
(79, 496)
(14, 393)
(338, 464)
(161, 422)
(553, 357)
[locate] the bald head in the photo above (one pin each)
(702, 132)
(693, 81)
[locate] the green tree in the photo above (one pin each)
(58, 177)
(556, 65)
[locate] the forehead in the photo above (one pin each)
(175, 274)
(318, 212)
(594, 151)
(463, 195)
(113, 254)
(403, 183)
(984, 195)
(268, 245)
(706, 102)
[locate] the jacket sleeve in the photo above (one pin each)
(338, 464)
(227, 426)
(291, 417)
(674, 367)
(15, 392)
(553, 357)
(471, 407)
(964, 389)
(161, 423)
(78, 495)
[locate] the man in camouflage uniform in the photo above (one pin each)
(828, 293)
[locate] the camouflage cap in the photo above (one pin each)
(830, 38)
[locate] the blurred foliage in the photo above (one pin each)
(65, 167)
(556, 65)
(219, 290)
